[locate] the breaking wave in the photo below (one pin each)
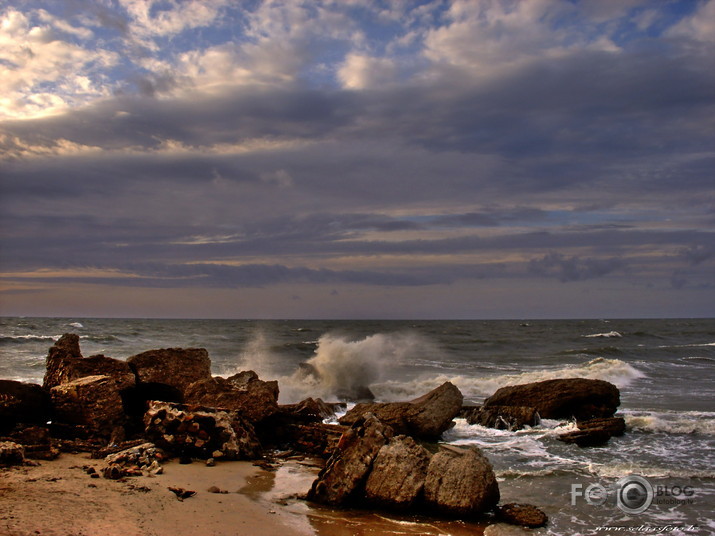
(615, 371)
(682, 422)
(609, 335)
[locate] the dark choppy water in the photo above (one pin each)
(664, 368)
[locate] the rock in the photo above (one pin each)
(174, 367)
(595, 432)
(562, 398)
(11, 453)
(182, 493)
(460, 482)
(36, 442)
(504, 417)
(254, 398)
(343, 477)
(64, 350)
(147, 458)
(65, 363)
(22, 402)
(524, 515)
(310, 410)
(201, 432)
(425, 417)
(504, 529)
(398, 474)
(92, 401)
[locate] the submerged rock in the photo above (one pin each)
(425, 417)
(595, 432)
(503, 417)
(524, 515)
(562, 398)
(460, 482)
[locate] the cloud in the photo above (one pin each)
(567, 269)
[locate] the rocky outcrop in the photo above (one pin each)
(36, 441)
(524, 515)
(173, 367)
(460, 482)
(503, 417)
(200, 432)
(425, 417)
(22, 402)
(11, 453)
(398, 474)
(344, 476)
(562, 398)
(145, 458)
(64, 350)
(244, 392)
(91, 401)
(595, 432)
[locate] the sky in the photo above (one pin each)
(357, 159)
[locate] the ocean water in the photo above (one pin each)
(665, 370)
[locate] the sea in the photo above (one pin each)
(659, 478)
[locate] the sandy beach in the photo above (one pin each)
(59, 498)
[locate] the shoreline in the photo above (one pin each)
(59, 498)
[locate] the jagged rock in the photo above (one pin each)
(425, 417)
(254, 398)
(503, 417)
(460, 482)
(65, 363)
(595, 432)
(91, 401)
(200, 432)
(22, 402)
(310, 410)
(343, 477)
(524, 515)
(562, 398)
(135, 461)
(174, 367)
(11, 453)
(398, 474)
(350, 390)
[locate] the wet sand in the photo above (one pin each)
(59, 498)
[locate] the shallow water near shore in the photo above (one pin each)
(664, 369)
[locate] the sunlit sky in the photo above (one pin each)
(357, 159)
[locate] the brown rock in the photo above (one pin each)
(524, 515)
(398, 474)
(425, 417)
(65, 363)
(11, 453)
(201, 432)
(504, 417)
(22, 402)
(36, 442)
(595, 432)
(343, 477)
(92, 401)
(244, 392)
(461, 482)
(174, 367)
(562, 398)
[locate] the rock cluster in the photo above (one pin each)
(372, 465)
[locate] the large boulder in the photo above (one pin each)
(562, 398)
(398, 474)
(200, 432)
(244, 392)
(503, 417)
(460, 482)
(425, 417)
(343, 478)
(92, 401)
(595, 432)
(11, 453)
(174, 367)
(65, 363)
(22, 402)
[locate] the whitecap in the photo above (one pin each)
(608, 335)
